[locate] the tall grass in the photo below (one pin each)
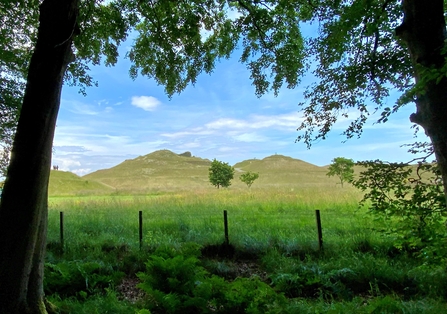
(359, 270)
(256, 218)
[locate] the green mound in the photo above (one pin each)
(162, 170)
(64, 183)
(279, 170)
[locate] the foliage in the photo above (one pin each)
(108, 302)
(343, 168)
(15, 52)
(79, 278)
(10, 103)
(220, 174)
(270, 45)
(249, 177)
(359, 61)
(274, 236)
(175, 282)
(412, 203)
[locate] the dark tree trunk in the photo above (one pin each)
(23, 208)
(424, 31)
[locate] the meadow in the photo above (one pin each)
(271, 265)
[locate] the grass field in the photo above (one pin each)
(272, 262)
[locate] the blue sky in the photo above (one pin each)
(220, 117)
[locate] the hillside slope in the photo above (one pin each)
(64, 183)
(160, 170)
(279, 170)
(164, 170)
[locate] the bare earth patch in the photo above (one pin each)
(128, 289)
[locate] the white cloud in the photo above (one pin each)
(69, 149)
(226, 149)
(289, 121)
(67, 164)
(196, 131)
(250, 137)
(190, 145)
(147, 103)
(80, 172)
(80, 108)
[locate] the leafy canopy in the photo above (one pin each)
(359, 61)
(411, 202)
(220, 174)
(249, 177)
(342, 168)
(357, 56)
(16, 40)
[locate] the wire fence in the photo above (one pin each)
(146, 226)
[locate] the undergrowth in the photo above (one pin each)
(272, 264)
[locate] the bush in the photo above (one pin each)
(175, 282)
(412, 206)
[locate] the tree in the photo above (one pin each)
(367, 49)
(410, 202)
(342, 168)
(220, 174)
(14, 56)
(74, 33)
(8, 122)
(249, 177)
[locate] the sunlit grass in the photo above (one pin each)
(257, 218)
(275, 226)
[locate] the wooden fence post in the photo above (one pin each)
(141, 228)
(61, 230)
(320, 232)
(227, 242)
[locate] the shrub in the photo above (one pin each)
(412, 205)
(175, 282)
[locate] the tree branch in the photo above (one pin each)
(261, 33)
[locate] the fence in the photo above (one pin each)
(225, 224)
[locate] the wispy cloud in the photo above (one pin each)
(190, 145)
(70, 149)
(80, 108)
(290, 121)
(147, 103)
(250, 137)
(194, 131)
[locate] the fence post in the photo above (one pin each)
(61, 229)
(227, 242)
(320, 232)
(141, 228)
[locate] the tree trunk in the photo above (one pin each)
(23, 207)
(424, 31)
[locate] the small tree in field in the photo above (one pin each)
(343, 168)
(249, 177)
(220, 174)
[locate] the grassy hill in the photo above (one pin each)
(279, 170)
(67, 183)
(164, 171)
